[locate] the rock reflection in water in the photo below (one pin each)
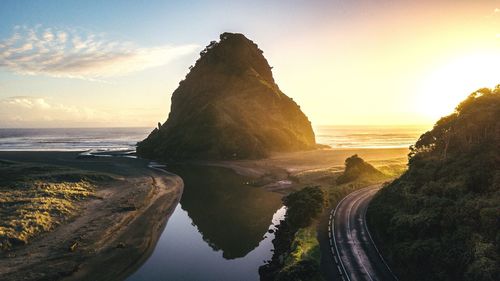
(231, 216)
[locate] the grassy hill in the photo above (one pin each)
(357, 169)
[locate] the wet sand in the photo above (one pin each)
(114, 234)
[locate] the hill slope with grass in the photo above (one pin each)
(357, 169)
(37, 198)
(440, 220)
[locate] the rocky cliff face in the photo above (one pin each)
(229, 107)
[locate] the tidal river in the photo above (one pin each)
(219, 231)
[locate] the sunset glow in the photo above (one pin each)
(450, 83)
(344, 62)
(258, 140)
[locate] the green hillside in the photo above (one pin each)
(440, 220)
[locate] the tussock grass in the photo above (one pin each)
(36, 199)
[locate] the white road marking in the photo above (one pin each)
(350, 233)
(334, 211)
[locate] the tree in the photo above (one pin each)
(304, 205)
(440, 219)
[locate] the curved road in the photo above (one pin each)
(355, 254)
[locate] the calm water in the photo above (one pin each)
(218, 231)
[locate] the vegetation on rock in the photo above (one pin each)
(229, 107)
(356, 168)
(440, 220)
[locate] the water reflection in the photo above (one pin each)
(231, 216)
(217, 232)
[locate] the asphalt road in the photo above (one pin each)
(355, 254)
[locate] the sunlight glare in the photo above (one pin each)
(452, 82)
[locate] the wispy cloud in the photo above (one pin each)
(74, 54)
(33, 111)
(19, 110)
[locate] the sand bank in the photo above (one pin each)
(114, 233)
(281, 170)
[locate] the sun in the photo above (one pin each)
(453, 81)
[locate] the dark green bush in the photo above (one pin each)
(304, 205)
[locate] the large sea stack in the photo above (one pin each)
(229, 107)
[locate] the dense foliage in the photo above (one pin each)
(303, 207)
(304, 270)
(440, 220)
(356, 168)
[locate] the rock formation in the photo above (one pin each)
(357, 169)
(229, 107)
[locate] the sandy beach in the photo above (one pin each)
(286, 170)
(114, 233)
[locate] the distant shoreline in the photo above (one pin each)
(278, 172)
(80, 139)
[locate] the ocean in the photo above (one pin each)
(368, 136)
(73, 139)
(109, 139)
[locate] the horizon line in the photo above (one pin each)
(144, 127)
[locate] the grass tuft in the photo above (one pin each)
(36, 199)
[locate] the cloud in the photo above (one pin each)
(33, 111)
(20, 110)
(26, 102)
(73, 54)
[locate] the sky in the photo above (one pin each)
(116, 63)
